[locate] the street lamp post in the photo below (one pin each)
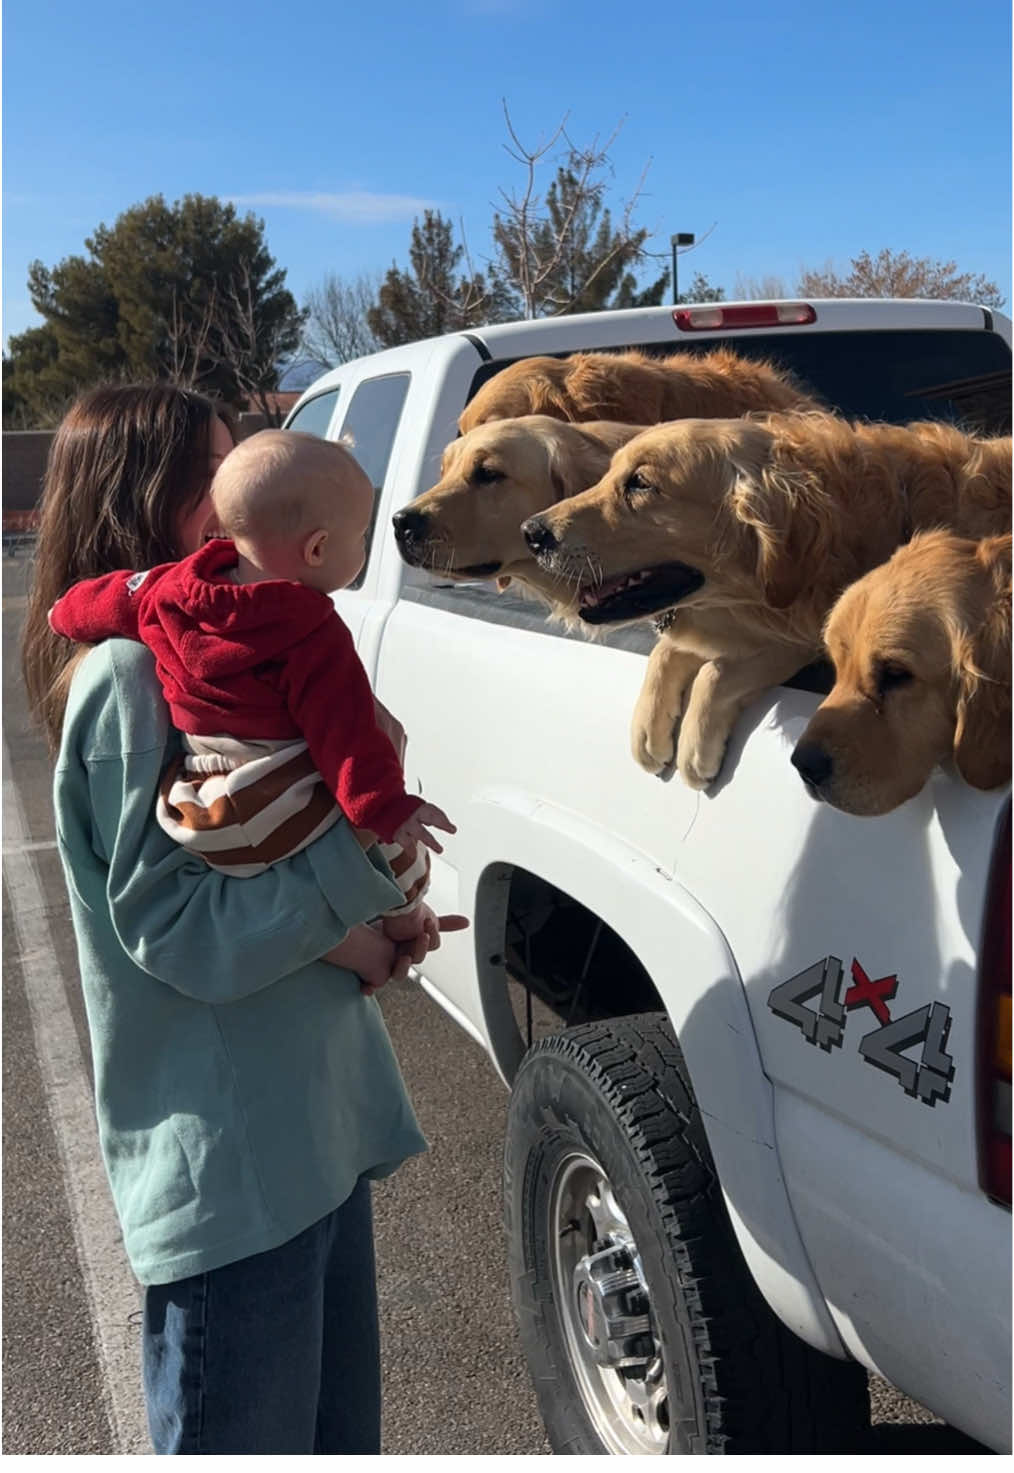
(680, 239)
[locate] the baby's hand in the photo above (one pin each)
(414, 829)
(432, 925)
(404, 927)
(427, 938)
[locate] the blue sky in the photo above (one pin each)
(801, 131)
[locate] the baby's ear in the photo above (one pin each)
(313, 547)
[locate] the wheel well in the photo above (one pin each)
(559, 963)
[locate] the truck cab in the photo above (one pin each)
(818, 1005)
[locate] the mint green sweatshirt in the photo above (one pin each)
(241, 1085)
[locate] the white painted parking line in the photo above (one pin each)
(112, 1292)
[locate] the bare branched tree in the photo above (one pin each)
(562, 252)
(473, 298)
(337, 325)
(897, 274)
(759, 288)
(188, 328)
(252, 347)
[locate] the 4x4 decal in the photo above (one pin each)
(824, 1025)
(885, 1047)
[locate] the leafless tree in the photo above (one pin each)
(337, 328)
(555, 253)
(188, 330)
(897, 274)
(252, 348)
(759, 288)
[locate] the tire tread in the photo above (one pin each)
(763, 1389)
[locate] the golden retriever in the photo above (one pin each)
(493, 479)
(634, 388)
(922, 653)
(746, 531)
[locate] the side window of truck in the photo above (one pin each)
(314, 416)
(370, 425)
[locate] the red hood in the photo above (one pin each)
(229, 626)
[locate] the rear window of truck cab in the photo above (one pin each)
(894, 375)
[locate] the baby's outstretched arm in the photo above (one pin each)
(329, 698)
(414, 830)
(106, 607)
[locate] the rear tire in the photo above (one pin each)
(641, 1324)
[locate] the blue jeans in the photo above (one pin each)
(278, 1353)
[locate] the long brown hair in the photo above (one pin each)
(125, 464)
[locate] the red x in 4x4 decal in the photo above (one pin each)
(872, 993)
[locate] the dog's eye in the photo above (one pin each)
(484, 475)
(891, 674)
(635, 485)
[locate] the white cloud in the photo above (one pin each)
(354, 206)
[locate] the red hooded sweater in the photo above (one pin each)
(261, 660)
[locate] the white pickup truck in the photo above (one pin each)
(768, 1147)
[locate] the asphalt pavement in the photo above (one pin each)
(455, 1382)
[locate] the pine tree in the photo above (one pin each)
(434, 295)
(187, 291)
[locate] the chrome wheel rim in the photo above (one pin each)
(605, 1309)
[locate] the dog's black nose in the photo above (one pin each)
(812, 763)
(539, 537)
(409, 525)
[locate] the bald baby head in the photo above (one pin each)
(289, 499)
(279, 481)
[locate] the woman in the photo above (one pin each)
(246, 1091)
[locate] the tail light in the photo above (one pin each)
(754, 314)
(994, 1025)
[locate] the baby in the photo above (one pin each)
(279, 724)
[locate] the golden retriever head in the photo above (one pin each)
(702, 510)
(492, 479)
(922, 653)
(531, 386)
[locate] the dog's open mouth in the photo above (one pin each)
(637, 595)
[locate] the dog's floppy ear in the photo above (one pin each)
(786, 510)
(575, 460)
(982, 735)
(544, 395)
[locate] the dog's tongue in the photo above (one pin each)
(609, 586)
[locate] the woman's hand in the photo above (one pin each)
(376, 960)
(368, 953)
